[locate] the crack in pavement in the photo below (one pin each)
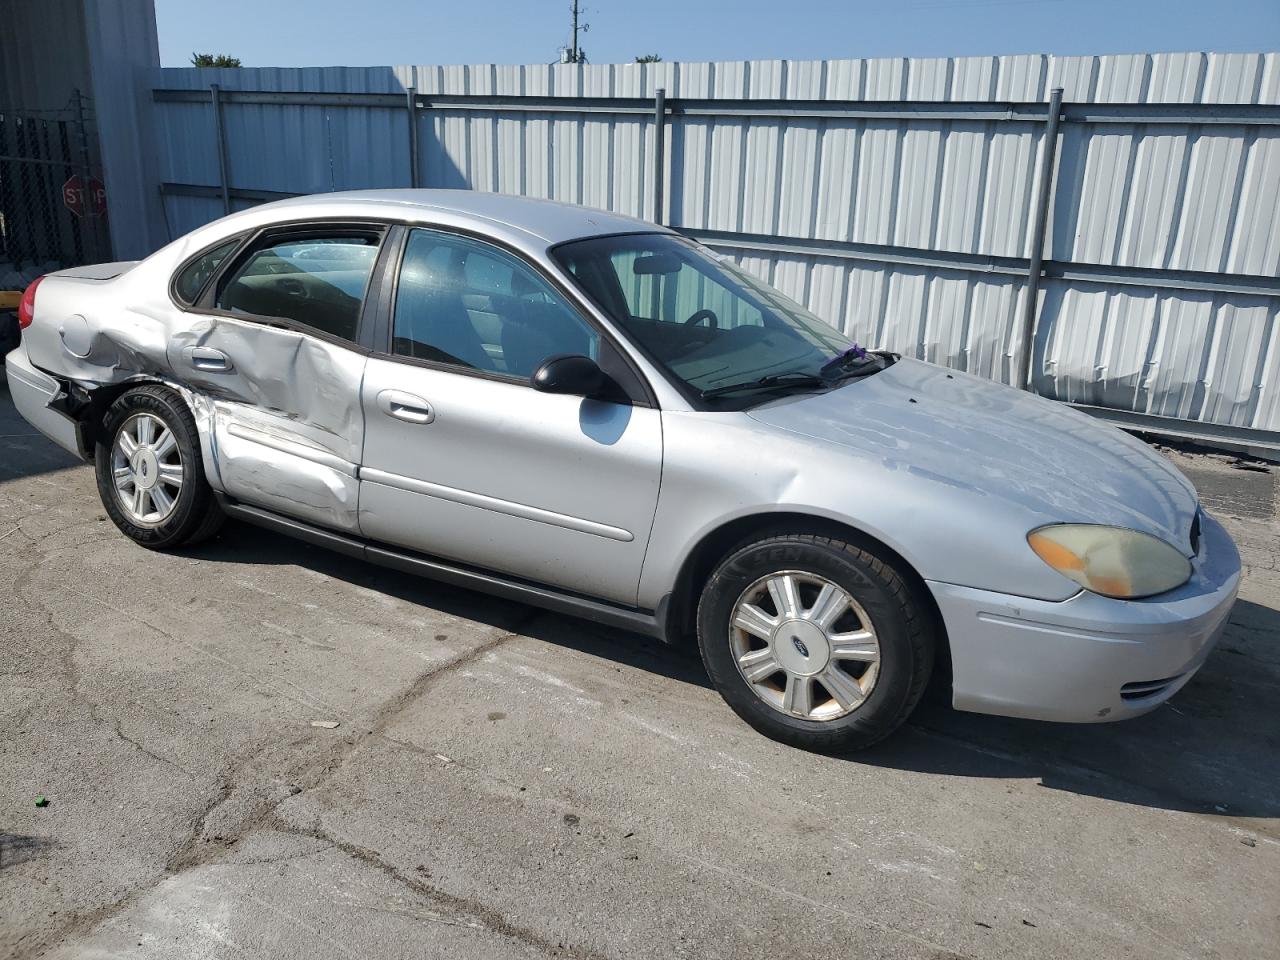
(71, 672)
(310, 772)
(300, 696)
(115, 727)
(313, 770)
(485, 917)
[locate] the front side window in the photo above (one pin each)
(316, 280)
(470, 305)
(715, 328)
(188, 284)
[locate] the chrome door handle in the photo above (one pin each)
(208, 359)
(405, 406)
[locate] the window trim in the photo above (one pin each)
(179, 302)
(378, 296)
(383, 343)
(205, 303)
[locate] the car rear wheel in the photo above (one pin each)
(815, 642)
(150, 472)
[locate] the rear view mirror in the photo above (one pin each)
(656, 263)
(571, 374)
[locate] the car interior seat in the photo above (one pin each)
(431, 319)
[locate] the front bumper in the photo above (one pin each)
(1089, 658)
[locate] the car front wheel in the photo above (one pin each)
(150, 472)
(815, 642)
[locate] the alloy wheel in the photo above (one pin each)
(147, 469)
(804, 645)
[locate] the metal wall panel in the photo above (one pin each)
(44, 56)
(1180, 195)
(123, 51)
(944, 316)
(103, 51)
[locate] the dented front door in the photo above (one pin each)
(465, 460)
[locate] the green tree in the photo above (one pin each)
(214, 60)
(649, 58)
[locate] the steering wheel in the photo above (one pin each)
(704, 314)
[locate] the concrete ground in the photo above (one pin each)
(508, 783)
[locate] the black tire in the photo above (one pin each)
(903, 626)
(195, 514)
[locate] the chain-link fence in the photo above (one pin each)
(52, 202)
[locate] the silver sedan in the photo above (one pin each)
(594, 414)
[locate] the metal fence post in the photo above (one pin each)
(659, 153)
(215, 98)
(1048, 164)
(90, 230)
(411, 104)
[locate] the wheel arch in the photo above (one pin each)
(679, 609)
(192, 513)
(89, 407)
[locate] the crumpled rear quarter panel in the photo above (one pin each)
(283, 427)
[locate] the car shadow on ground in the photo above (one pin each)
(1211, 750)
(241, 543)
(23, 451)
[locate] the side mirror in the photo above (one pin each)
(567, 373)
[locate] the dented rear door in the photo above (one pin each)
(275, 361)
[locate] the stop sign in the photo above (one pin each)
(85, 196)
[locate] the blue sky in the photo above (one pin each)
(379, 32)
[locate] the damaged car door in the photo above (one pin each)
(466, 460)
(279, 361)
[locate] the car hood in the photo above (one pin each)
(992, 441)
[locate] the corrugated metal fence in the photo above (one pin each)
(900, 199)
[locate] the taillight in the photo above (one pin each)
(27, 305)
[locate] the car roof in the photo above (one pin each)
(548, 221)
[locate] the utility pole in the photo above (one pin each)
(575, 53)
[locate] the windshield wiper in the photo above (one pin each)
(854, 356)
(854, 362)
(773, 380)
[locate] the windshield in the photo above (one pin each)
(722, 333)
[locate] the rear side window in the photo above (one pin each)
(188, 284)
(316, 280)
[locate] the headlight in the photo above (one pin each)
(1111, 561)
